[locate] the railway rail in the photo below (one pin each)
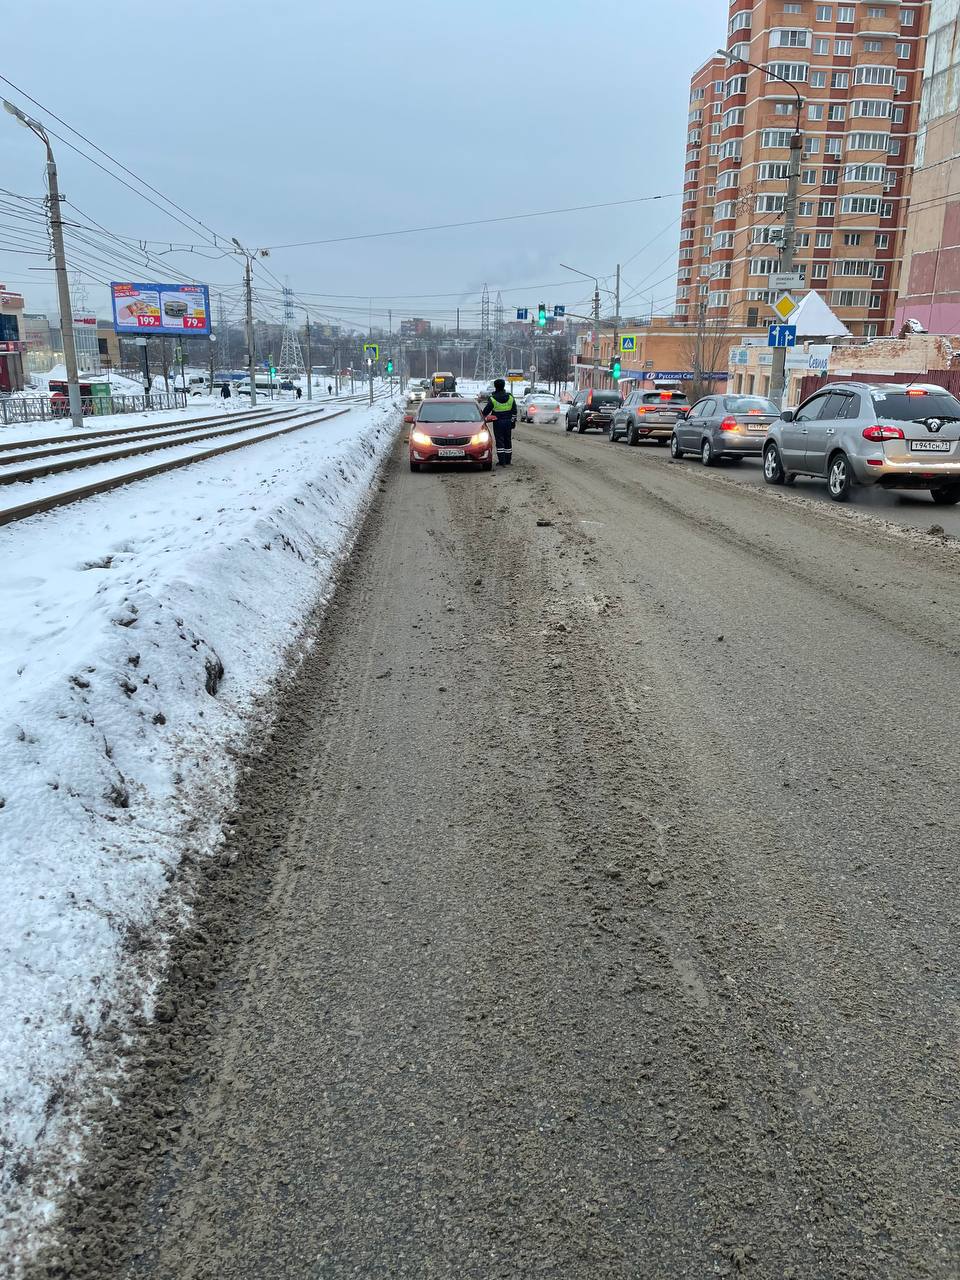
(54, 455)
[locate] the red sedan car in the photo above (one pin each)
(449, 430)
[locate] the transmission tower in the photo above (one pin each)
(223, 335)
(484, 370)
(291, 358)
(498, 358)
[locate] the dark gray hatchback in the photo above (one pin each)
(733, 426)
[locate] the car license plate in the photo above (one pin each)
(931, 446)
(450, 453)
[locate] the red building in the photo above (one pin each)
(11, 341)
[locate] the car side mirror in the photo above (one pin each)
(786, 415)
(408, 417)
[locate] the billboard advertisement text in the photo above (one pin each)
(175, 309)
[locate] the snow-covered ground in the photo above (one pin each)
(138, 634)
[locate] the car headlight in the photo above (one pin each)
(482, 437)
(420, 437)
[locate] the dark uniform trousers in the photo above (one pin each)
(502, 433)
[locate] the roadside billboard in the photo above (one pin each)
(175, 309)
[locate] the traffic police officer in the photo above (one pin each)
(502, 404)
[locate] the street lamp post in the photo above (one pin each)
(60, 264)
(778, 370)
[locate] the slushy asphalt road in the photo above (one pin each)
(592, 911)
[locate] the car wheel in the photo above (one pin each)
(708, 457)
(675, 450)
(632, 438)
(839, 478)
(487, 466)
(569, 425)
(612, 435)
(414, 466)
(580, 427)
(947, 495)
(772, 466)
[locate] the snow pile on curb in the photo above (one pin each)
(138, 632)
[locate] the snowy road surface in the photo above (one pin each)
(139, 634)
(592, 912)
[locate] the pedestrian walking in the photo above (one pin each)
(299, 392)
(329, 389)
(504, 408)
(225, 391)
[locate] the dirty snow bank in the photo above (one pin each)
(137, 633)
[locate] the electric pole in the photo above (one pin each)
(616, 319)
(251, 356)
(778, 371)
(60, 267)
(309, 362)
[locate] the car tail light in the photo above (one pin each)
(665, 395)
(916, 391)
(642, 409)
(878, 433)
(729, 424)
(754, 413)
(589, 397)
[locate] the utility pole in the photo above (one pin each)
(251, 358)
(60, 266)
(309, 362)
(370, 375)
(616, 319)
(778, 370)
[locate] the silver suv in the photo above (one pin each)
(895, 435)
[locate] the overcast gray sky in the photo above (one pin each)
(296, 120)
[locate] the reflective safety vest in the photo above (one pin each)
(502, 406)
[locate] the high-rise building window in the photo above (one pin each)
(833, 147)
(876, 11)
(831, 177)
(732, 117)
(739, 21)
(851, 238)
(903, 51)
(819, 271)
(775, 172)
(873, 46)
(897, 115)
(811, 146)
(793, 8)
(879, 108)
(840, 80)
(815, 111)
(790, 38)
(864, 173)
(900, 84)
(906, 17)
(843, 48)
(775, 138)
(882, 240)
(824, 239)
(868, 141)
(783, 108)
(808, 177)
(836, 111)
(793, 71)
(824, 12)
(821, 44)
(868, 73)
(804, 208)
(826, 208)
(845, 13)
(818, 79)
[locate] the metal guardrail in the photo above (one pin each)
(15, 409)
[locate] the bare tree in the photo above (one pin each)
(705, 350)
(555, 362)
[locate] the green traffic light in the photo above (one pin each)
(542, 316)
(389, 366)
(615, 370)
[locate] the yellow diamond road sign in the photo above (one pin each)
(785, 306)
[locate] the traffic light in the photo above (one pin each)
(542, 316)
(615, 368)
(389, 366)
(273, 371)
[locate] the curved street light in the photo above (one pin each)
(60, 264)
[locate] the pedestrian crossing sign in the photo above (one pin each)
(628, 342)
(371, 350)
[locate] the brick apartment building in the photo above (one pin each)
(858, 69)
(930, 286)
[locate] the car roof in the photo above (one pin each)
(885, 387)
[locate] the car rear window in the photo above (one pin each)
(605, 397)
(907, 406)
(449, 411)
(665, 397)
(744, 404)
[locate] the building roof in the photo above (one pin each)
(814, 319)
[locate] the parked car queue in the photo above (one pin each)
(889, 435)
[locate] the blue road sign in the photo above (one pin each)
(559, 311)
(782, 335)
(523, 313)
